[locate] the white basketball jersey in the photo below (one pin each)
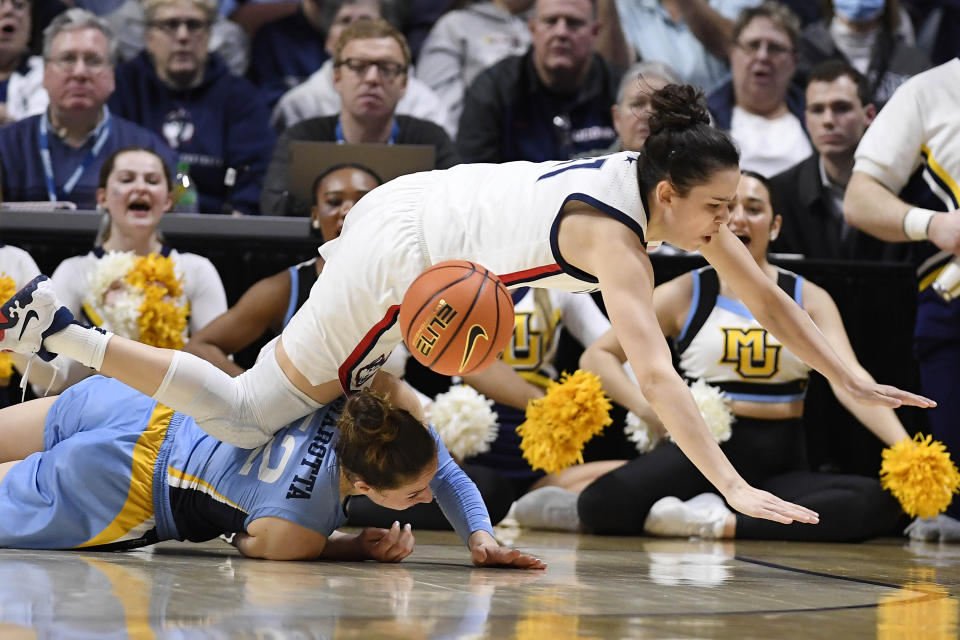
(506, 216)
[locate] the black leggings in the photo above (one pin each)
(770, 455)
(494, 489)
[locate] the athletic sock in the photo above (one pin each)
(86, 345)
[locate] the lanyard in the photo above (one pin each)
(43, 140)
(393, 133)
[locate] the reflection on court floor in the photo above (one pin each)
(594, 588)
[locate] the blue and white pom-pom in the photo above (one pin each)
(712, 403)
(465, 421)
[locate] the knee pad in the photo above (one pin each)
(244, 411)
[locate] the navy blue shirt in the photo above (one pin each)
(218, 124)
(284, 54)
(508, 114)
(21, 169)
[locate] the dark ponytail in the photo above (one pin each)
(381, 444)
(683, 147)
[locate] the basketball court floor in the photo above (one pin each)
(593, 588)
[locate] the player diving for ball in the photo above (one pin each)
(580, 225)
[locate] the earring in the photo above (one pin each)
(773, 235)
(315, 223)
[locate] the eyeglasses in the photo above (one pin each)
(774, 49)
(16, 5)
(387, 68)
(68, 62)
(171, 26)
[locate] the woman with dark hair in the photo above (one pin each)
(135, 191)
(105, 467)
(719, 340)
(579, 226)
(270, 303)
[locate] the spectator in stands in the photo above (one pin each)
(371, 64)
(633, 109)
(466, 41)
(135, 190)
(318, 97)
(215, 120)
(809, 195)
(692, 36)
(56, 155)
(286, 51)
(227, 39)
(551, 103)
(938, 27)
(868, 36)
(418, 17)
(270, 303)
(759, 107)
(904, 188)
(21, 75)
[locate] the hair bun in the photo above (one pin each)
(365, 419)
(678, 107)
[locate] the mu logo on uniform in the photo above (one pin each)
(750, 352)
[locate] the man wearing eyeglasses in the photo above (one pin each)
(216, 121)
(371, 63)
(760, 107)
(316, 96)
(56, 155)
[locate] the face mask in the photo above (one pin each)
(858, 10)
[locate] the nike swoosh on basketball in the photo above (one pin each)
(476, 332)
(31, 315)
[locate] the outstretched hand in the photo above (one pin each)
(493, 555)
(762, 504)
(868, 392)
(386, 545)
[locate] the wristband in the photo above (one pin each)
(916, 223)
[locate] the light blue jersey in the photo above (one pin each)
(120, 470)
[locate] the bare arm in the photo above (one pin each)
(262, 307)
(882, 421)
(400, 393)
(274, 538)
(501, 383)
(611, 42)
(605, 357)
(870, 206)
(791, 325)
(602, 246)
(712, 29)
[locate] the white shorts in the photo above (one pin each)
(348, 326)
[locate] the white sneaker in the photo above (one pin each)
(551, 508)
(925, 529)
(31, 315)
(703, 516)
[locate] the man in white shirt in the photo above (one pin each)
(757, 106)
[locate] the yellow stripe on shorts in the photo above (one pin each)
(138, 507)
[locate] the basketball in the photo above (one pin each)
(456, 317)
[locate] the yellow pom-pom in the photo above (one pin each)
(163, 317)
(7, 288)
(560, 423)
(920, 474)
